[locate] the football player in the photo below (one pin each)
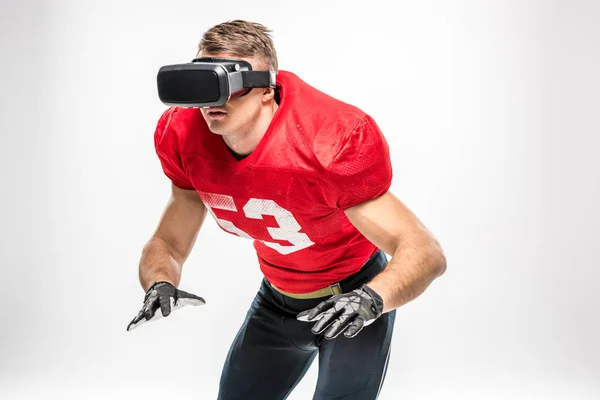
(307, 178)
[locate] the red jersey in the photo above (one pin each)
(318, 157)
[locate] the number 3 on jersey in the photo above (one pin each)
(288, 228)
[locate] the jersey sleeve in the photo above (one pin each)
(362, 168)
(167, 149)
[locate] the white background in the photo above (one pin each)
(491, 110)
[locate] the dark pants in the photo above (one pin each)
(272, 350)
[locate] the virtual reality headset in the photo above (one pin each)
(209, 82)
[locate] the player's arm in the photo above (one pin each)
(164, 254)
(417, 258)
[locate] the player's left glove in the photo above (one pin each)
(348, 313)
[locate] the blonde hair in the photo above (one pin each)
(241, 38)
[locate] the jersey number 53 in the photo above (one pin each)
(288, 229)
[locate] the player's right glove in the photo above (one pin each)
(168, 298)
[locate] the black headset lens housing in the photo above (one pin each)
(209, 82)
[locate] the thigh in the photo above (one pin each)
(354, 369)
(262, 362)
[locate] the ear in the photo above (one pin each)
(268, 94)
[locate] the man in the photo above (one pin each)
(306, 177)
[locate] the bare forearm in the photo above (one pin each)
(159, 263)
(411, 270)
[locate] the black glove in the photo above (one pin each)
(165, 296)
(348, 312)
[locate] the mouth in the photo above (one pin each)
(215, 113)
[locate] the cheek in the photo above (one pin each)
(245, 110)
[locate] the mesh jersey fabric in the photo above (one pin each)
(319, 157)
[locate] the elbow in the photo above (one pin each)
(441, 265)
(438, 260)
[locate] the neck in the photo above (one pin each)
(244, 143)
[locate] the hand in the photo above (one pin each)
(165, 296)
(348, 313)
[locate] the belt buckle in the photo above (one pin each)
(335, 288)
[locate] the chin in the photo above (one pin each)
(219, 129)
(215, 126)
(215, 130)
